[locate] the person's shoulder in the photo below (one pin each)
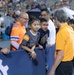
(26, 36)
(51, 21)
(51, 24)
(15, 25)
(38, 33)
(40, 30)
(28, 33)
(48, 30)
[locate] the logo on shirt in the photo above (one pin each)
(15, 25)
(3, 69)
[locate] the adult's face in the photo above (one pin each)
(24, 18)
(45, 15)
(57, 23)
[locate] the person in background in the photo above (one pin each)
(4, 50)
(71, 23)
(44, 32)
(18, 31)
(8, 20)
(50, 50)
(64, 46)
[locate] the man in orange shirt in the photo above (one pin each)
(18, 31)
(64, 46)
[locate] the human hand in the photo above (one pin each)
(51, 72)
(40, 46)
(49, 45)
(33, 48)
(33, 55)
(5, 51)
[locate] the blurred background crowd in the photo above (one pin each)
(11, 9)
(26, 5)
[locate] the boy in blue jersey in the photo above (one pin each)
(44, 32)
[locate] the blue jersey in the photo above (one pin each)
(43, 37)
(30, 40)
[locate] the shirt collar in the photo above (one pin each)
(63, 25)
(19, 23)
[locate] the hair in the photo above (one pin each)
(43, 20)
(70, 21)
(45, 10)
(32, 19)
(60, 16)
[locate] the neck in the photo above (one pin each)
(60, 24)
(33, 32)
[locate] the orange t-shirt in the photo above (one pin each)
(65, 41)
(17, 34)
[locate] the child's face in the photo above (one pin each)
(44, 26)
(35, 26)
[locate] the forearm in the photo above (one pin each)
(15, 44)
(27, 49)
(58, 59)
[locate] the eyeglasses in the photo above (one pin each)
(25, 18)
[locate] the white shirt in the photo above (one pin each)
(52, 35)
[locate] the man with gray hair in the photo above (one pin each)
(64, 46)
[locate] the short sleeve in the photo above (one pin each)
(60, 42)
(15, 33)
(25, 39)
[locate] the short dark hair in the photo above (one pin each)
(43, 20)
(61, 16)
(32, 19)
(45, 10)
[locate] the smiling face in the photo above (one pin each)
(45, 15)
(44, 26)
(35, 26)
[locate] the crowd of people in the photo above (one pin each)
(52, 33)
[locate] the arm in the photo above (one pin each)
(15, 44)
(4, 50)
(28, 49)
(14, 37)
(58, 60)
(31, 51)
